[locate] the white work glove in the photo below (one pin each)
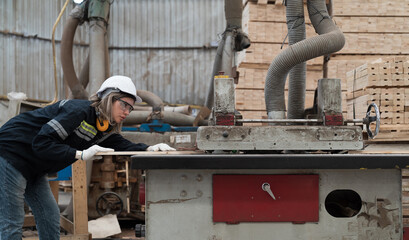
(160, 147)
(89, 154)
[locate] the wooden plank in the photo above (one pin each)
(392, 132)
(377, 43)
(362, 92)
(372, 8)
(80, 200)
(372, 24)
(272, 32)
(66, 224)
(130, 153)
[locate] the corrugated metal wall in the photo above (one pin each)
(158, 43)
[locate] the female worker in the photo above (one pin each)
(47, 140)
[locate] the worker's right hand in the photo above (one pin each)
(89, 154)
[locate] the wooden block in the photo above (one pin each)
(399, 99)
(406, 117)
(398, 118)
(393, 132)
(375, 92)
(398, 79)
(406, 79)
(406, 97)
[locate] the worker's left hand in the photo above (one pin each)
(160, 147)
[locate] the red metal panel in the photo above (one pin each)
(406, 233)
(240, 198)
(224, 119)
(334, 120)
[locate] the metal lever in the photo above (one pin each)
(266, 187)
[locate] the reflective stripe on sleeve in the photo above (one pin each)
(58, 128)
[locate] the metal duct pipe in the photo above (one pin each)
(233, 39)
(97, 31)
(216, 69)
(98, 14)
(78, 90)
(233, 12)
(84, 74)
(228, 54)
(173, 118)
(297, 76)
(106, 54)
(330, 40)
(151, 99)
(180, 109)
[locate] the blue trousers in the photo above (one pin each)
(14, 189)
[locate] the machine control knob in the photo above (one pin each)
(266, 187)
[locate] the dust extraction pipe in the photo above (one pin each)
(173, 118)
(297, 76)
(234, 39)
(98, 14)
(187, 110)
(330, 40)
(151, 99)
(77, 89)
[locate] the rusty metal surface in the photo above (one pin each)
(280, 138)
(175, 196)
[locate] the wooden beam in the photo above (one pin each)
(130, 153)
(79, 195)
(66, 224)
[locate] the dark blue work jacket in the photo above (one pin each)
(45, 140)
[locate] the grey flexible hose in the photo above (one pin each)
(330, 40)
(297, 76)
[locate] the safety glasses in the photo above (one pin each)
(124, 105)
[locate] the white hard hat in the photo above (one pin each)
(118, 84)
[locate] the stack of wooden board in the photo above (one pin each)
(265, 23)
(372, 30)
(386, 83)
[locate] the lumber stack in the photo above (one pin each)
(372, 30)
(373, 61)
(265, 23)
(386, 83)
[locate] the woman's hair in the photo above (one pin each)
(104, 108)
